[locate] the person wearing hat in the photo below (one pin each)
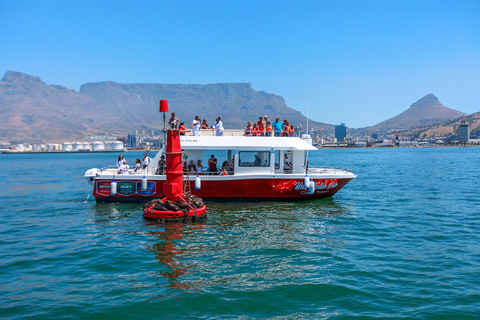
(173, 121)
(268, 127)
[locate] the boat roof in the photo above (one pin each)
(244, 143)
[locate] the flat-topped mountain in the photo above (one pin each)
(426, 111)
(34, 111)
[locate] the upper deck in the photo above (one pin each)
(244, 143)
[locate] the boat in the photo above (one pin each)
(257, 171)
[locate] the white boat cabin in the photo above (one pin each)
(245, 155)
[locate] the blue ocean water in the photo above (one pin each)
(400, 241)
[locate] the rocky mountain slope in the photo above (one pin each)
(426, 111)
(34, 111)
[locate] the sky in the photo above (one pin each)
(353, 62)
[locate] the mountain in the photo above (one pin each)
(34, 111)
(426, 111)
(234, 103)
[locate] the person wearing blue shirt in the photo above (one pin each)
(277, 127)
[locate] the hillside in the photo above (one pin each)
(426, 111)
(235, 103)
(34, 111)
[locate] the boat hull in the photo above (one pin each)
(238, 189)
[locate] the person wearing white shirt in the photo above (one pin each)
(123, 169)
(120, 161)
(146, 160)
(287, 165)
(218, 127)
(196, 126)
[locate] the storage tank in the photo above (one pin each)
(117, 145)
(87, 146)
(98, 146)
(67, 146)
(77, 146)
(57, 146)
(50, 147)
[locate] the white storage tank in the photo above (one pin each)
(117, 145)
(77, 146)
(87, 146)
(98, 146)
(50, 147)
(67, 146)
(57, 146)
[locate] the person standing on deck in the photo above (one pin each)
(146, 160)
(196, 126)
(173, 122)
(277, 127)
(212, 164)
(218, 127)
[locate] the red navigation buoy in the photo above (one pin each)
(175, 205)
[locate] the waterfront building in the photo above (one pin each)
(463, 133)
(340, 132)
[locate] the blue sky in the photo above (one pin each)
(358, 62)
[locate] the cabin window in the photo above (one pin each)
(277, 159)
(254, 159)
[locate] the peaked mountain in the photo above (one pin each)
(426, 111)
(34, 111)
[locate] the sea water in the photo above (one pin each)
(402, 240)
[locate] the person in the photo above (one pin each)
(138, 166)
(267, 122)
(268, 128)
(146, 160)
(285, 128)
(257, 162)
(218, 127)
(123, 169)
(161, 165)
(287, 165)
(182, 129)
(225, 165)
(260, 127)
(120, 161)
(254, 130)
(291, 130)
(277, 127)
(205, 125)
(196, 126)
(173, 121)
(199, 167)
(224, 172)
(212, 164)
(191, 167)
(248, 129)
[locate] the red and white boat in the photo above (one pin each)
(257, 172)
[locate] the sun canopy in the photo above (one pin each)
(244, 143)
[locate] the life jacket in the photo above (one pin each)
(291, 131)
(254, 131)
(182, 128)
(260, 126)
(224, 173)
(269, 128)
